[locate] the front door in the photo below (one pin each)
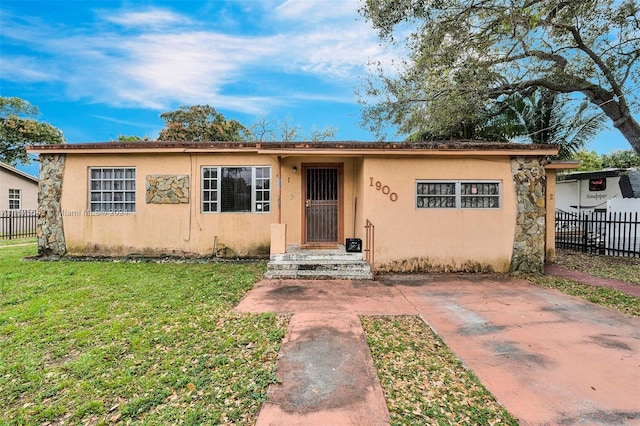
(322, 187)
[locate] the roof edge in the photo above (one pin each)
(355, 146)
(18, 172)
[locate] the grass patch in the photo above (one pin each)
(110, 342)
(600, 295)
(424, 382)
(615, 267)
(19, 241)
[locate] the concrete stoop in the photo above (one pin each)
(318, 264)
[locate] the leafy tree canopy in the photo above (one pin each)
(463, 57)
(621, 159)
(200, 123)
(19, 128)
(131, 138)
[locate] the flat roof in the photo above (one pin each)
(460, 147)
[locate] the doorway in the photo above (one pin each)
(322, 187)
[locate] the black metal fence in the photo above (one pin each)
(18, 224)
(613, 234)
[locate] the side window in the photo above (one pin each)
(598, 184)
(15, 199)
(112, 190)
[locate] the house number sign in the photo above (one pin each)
(384, 189)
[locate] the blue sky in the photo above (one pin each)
(97, 69)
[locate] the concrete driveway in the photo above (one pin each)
(549, 358)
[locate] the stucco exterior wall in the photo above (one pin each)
(293, 193)
(28, 188)
(410, 239)
(158, 229)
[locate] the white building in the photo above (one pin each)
(18, 190)
(590, 191)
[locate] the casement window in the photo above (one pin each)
(112, 190)
(461, 194)
(236, 189)
(15, 199)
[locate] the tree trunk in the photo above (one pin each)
(619, 114)
(630, 129)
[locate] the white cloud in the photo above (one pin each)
(165, 58)
(147, 18)
(317, 10)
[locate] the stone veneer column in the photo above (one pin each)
(528, 244)
(50, 227)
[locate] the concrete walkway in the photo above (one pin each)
(549, 358)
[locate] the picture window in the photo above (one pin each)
(236, 189)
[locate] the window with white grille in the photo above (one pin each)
(458, 194)
(15, 199)
(112, 190)
(236, 189)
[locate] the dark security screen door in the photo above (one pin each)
(322, 204)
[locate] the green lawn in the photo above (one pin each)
(103, 342)
(17, 241)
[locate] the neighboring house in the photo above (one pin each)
(590, 191)
(18, 190)
(448, 205)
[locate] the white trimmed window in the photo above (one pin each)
(461, 194)
(236, 189)
(112, 190)
(15, 199)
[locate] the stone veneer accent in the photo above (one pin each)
(50, 228)
(528, 245)
(167, 189)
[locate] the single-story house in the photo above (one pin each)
(590, 190)
(459, 205)
(18, 190)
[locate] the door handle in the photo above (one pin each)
(307, 203)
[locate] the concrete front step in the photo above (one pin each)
(318, 264)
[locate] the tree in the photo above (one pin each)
(589, 160)
(19, 128)
(200, 123)
(465, 56)
(131, 138)
(550, 118)
(265, 130)
(621, 159)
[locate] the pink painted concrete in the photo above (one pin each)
(549, 358)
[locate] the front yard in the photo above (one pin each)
(103, 342)
(158, 343)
